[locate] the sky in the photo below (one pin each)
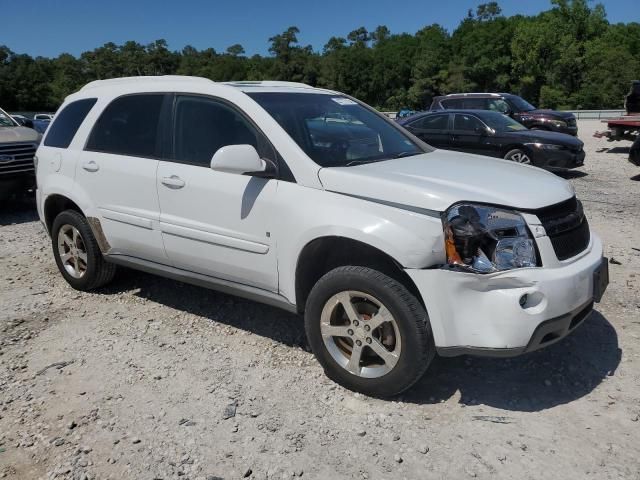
(51, 27)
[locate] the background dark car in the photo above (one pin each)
(512, 105)
(496, 135)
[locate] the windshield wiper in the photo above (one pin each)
(405, 154)
(359, 162)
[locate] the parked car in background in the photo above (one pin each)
(496, 135)
(43, 116)
(39, 126)
(405, 112)
(309, 200)
(17, 150)
(512, 105)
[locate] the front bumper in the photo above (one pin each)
(560, 159)
(473, 313)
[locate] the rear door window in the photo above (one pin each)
(129, 126)
(453, 103)
(67, 122)
(431, 122)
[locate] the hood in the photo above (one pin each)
(18, 134)
(436, 180)
(543, 136)
(548, 113)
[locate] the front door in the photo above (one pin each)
(216, 223)
(117, 170)
(470, 135)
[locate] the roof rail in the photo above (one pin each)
(475, 94)
(145, 78)
(266, 83)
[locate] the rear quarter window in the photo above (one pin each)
(67, 122)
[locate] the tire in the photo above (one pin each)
(86, 268)
(519, 155)
(365, 289)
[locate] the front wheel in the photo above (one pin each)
(369, 333)
(519, 156)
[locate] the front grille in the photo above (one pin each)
(16, 158)
(567, 227)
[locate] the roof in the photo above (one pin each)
(183, 83)
(478, 94)
(142, 80)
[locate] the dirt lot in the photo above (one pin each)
(151, 379)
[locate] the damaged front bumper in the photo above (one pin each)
(512, 312)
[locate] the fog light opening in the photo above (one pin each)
(523, 300)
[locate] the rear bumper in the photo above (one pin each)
(483, 313)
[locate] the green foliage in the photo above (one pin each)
(569, 56)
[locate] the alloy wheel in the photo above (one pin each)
(520, 157)
(360, 334)
(72, 251)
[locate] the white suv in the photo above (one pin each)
(312, 201)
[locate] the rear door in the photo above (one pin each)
(117, 170)
(433, 129)
(217, 223)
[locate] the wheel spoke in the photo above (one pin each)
(67, 240)
(345, 300)
(389, 358)
(75, 236)
(379, 318)
(65, 258)
(83, 256)
(333, 330)
(354, 361)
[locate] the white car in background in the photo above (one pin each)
(43, 116)
(309, 200)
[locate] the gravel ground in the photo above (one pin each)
(152, 379)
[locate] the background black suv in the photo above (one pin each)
(512, 105)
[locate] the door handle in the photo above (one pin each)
(90, 166)
(173, 181)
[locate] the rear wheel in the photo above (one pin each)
(368, 331)
(519, 156)
(77, 253)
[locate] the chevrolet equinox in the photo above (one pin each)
(309, 200)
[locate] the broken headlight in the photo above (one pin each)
(485, 239)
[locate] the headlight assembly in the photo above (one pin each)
(485, 239)
(558, 123)
(545, 146)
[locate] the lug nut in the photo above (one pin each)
(350, 332)
(367, 328)
(369, 340)
(359, 343)
(355, 323)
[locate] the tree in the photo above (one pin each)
(235, 50)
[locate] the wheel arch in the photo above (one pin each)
(323, 254)
(56, 203)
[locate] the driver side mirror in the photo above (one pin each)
(481, 130)
(242, 160)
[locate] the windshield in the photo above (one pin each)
(521, 105)
(502, 123)
(336, 131)
(6, 120)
